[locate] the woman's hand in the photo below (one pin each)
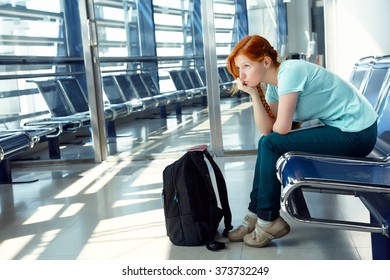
(243, 87)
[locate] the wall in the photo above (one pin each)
(298, 22)
(262, 19)
(354, 29)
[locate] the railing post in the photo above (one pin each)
(213, 92)
(94, 81)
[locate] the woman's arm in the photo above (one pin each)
(284, 112)
(263, 121)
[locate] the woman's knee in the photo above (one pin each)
(271, 142)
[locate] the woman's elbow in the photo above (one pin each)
(265, 131)
(281, 129)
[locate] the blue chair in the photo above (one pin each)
(192, 82)
(182, 83)
(366, 178)
(79, 100)
(119, 91)
(173, 96)
(135, 83)
(197, 81)
(11, 144)
(373, 79)
(360, 71)
(225, 80)
(63, 113)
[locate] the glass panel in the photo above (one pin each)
(34, 56)
(238, 128)
(41, 71)
(140, 42)
(21, 35)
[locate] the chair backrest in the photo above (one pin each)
(177, 81)
(113, 90)
(150, 83)
(222, 74)
(384, 117)
(230, 76)
(138, 85)
(360, 71)
(373, 80)
(75, 94)
(197, 82)
(202, 74)
(55, 98)
(187, 82)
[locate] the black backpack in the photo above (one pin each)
(192, 215)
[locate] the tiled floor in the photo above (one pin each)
(113, 211)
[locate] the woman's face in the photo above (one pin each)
(251, 72)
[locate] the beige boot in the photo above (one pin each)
(261, 236)
(247, 227)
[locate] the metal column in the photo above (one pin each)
(94, 81)
(213, 95)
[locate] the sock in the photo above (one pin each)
(263, 223)
(250, 214)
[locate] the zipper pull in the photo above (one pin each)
(176, 198)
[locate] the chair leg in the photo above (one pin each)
(111, 129)
(5, 172)
(54, 148)
(298, 204)
(178, 109)
(163, 112)
(380, 245)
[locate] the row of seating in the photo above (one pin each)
(366, 178)
(368, 75)
(69, 110)
(14, 142)
(140, 91)
(193, 81)
(68, 102)
(126, 94)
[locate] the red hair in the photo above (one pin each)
(255, 48)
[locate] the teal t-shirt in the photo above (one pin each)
(322, 95)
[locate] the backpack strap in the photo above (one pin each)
(223, 195)
(198, 159)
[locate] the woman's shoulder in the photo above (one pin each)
(296, 68)
(297, 63)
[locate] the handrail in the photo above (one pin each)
(24, 13)
(324, 185)
(114, 4)
(19, 92)
(26, 60)
(7, 119)
(31, 76)
(29, 40)
(60, 60)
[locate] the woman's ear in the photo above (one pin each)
(267, 62)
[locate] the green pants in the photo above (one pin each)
(328, 140)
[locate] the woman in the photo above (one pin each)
(297, 91)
